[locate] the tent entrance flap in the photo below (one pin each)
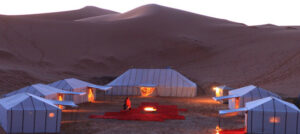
(91, 95)
(147, 91)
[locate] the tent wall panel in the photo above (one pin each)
(249, 122)
(51, 121)
(298, 123)
(58, 120)
(257, 123)
(180, 88)
(291, 122)
(268, 126)
(40, 121)
(174, 85)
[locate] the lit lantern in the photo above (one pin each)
(51, 115)
(91, 97)
(274, 120)
(60, 97)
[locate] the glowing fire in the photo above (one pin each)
(146, 91)
(150, 109)
(218, 91)
(91, 97)
(60, 97)
(218, 130)
(274, 120)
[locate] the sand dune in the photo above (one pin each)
(92, 42)
(85, 12)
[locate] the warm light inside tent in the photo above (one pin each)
(218, 91)
(60, 97)
(237, 103)
(91, 97)
(147, 91)
(274, 120)
(51, 115)
(149, 109)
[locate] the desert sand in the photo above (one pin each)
(92, 43)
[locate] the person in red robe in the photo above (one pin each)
(127, 105)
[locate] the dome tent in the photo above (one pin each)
(168, 82)
(27, 113)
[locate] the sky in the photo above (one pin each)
(250, 12)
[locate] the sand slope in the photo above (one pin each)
(207, 50)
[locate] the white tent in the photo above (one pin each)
(75, 85)
(270, 115)
(238, 97)
(27, 113)
(45, 91)
(167, 82)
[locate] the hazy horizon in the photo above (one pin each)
(250, 12)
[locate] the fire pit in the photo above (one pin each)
(150, 109)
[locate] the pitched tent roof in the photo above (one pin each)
(159, 77)
(265, 102)
(73, 83)
(245, 90)
(30, 100)
(41, 90)
(224, 87)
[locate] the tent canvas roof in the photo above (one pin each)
(243, 91)
(14, 100)
(253, 104)
(73, 83)
(159, 77)
(224, 87)
(42, 90)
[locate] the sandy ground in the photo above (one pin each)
(201, 117)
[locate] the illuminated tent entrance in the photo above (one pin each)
(147, 89)
(79, 86)
(269, 115)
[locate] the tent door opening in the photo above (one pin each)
(60, 97)
(147, 91)
(237, 103)
(91, 95)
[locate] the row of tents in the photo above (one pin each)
(265, 112)
(37, 108)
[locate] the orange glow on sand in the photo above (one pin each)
(147, 91)
(60, 97)
(91, 97)
(218, 129)
(149, 109)
(274, 120)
